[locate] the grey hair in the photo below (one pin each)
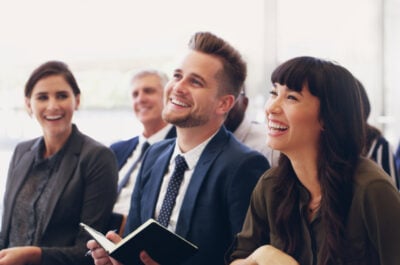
(146, 72)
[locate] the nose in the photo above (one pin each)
(272, 106)
(53, 103)
(178, 86)
(140, 97)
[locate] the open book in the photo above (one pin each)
(162, 245)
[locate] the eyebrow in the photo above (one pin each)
(193, 75)
(294, 91)
(199, 77)
(298, 92)
(288, 89)
(46, 92)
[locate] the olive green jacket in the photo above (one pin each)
(372, 231)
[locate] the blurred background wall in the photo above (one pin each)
(103, 41)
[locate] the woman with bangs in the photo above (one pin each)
(324, 203)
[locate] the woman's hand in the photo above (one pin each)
(21, 256)
(269, 255)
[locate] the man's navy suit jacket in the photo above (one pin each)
(217, 197)
(123, 149)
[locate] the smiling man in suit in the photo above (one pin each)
(219, 171)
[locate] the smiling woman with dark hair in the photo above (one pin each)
(55, 181)
(324, 203)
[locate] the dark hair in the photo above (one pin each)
(234, 67)
(371, 132)
(341, 144)
(51, 68)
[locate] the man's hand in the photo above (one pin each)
(146, 259)
(99, 255)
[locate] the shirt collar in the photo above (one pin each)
(158, 136)
(193, 155)
(53, 160)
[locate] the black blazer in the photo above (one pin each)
(86, 192)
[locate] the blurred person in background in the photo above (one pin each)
(377, 147)
(147, 89)
(251, 133)
(397, 156)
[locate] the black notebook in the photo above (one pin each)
(162, 245)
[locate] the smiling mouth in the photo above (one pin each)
(53, 117)
(277, 126)
(178, 103)
(143, 109)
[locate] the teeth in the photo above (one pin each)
(276, 126)
(144, 109)
(180, 103)
(53, 117)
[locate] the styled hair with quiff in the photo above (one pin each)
(234, 71)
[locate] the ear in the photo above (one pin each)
(226, 102)
(245, 102)
(77, 101)
(28, 106)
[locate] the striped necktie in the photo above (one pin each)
(127, 176)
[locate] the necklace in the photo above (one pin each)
(314, 206)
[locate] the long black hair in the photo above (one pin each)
(341, 143)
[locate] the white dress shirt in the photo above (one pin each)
(191, 157)
(123, 202)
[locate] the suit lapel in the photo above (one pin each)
(17, 179)
(155, 179)
(127, 152)
(201, 172)
(64, 173)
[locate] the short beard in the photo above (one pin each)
(186, 122)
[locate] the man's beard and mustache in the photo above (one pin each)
(188, 121)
